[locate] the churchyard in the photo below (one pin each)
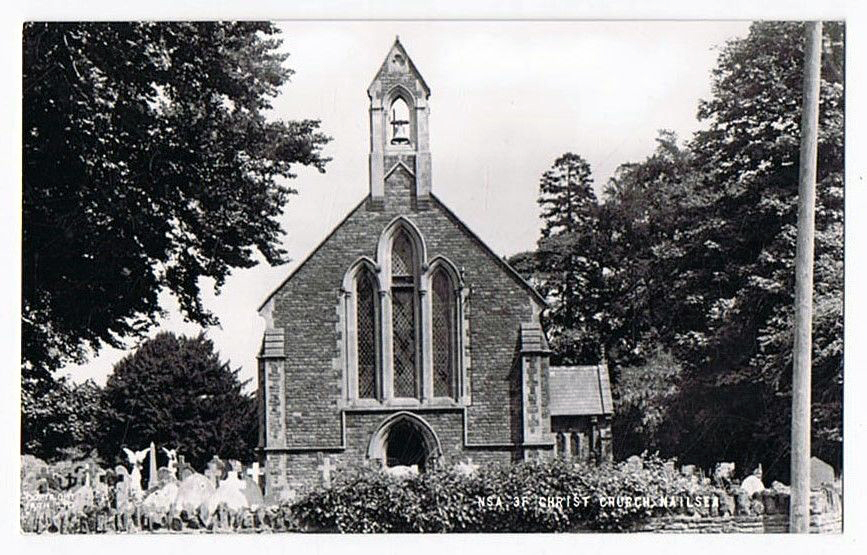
(651, 316)
(642, 493)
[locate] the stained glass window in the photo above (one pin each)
(404, 317)
(404, 344)
(401, 257)
(443, 334)
(365, 305)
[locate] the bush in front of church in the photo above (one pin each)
(535, 496)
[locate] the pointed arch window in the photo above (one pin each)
(405, 316)
(405, 326)
(443, 333)
(366, 334)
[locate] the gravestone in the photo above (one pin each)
(634, 464)
(215, 470)
(194, 490)
(256, 473)
(251, 490)
(820, 473)
(122, 490)
(752, 484)
(153, 481)
(669, 468)
(184, 468)
(467, 468)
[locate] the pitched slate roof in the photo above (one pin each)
(579, 390)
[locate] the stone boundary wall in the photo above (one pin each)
(766, 513)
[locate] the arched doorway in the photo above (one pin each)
(405, 439)
(405, 446)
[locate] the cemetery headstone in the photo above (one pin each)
(634, 463)
(215, 470)
(122, 490)
(194, 490)
(251, 490)
(256, 473)
(753, 483)
(152, 468)
(229, 492)
(172, 464)
(184, 468)
(722, 474)
(820, 473)
(467, 468)
(669, 468)
(135, 458)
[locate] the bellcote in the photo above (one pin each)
(399, 126)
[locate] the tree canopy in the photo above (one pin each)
(61, 419)
(567, 264)
(175, 391)
(696, 245)
(150, 161)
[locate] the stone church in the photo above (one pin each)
(402, 339)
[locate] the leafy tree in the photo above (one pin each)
(60, 420)
(647, 207)
(149, 161)
(697, 246)
(567, 266)
(738, 257)
(176, 392)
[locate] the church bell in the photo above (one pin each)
(399, 129)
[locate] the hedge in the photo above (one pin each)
(536, 496)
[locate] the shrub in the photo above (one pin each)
(535, 496)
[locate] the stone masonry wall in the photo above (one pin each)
(304, 469)
(306, 307)
(769, 516)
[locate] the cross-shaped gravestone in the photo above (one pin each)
(184, 468)
(256, 472)
(468, 468)
(325, 470)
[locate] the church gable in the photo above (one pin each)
(311, 308)
(402, 328)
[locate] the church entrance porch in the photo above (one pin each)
(405, 446)
(405, 439)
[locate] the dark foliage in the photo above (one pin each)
(567, 265)
(59, 419)
(148, 162)
(697, 246)
(176, 392)
(509, 498)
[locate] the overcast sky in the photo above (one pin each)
(507, 98)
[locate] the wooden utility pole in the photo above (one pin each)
(799, 513)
